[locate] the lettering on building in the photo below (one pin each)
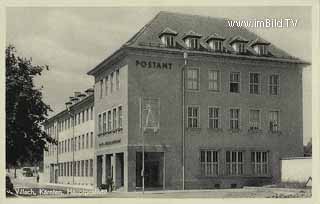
(153, 64)
(109, 142)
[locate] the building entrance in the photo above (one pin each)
(153, 170)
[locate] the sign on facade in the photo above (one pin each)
(150, 114)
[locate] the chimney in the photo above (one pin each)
(82, 96)
(74, 100)
(89, 91)
(76, 94)
(68, 104)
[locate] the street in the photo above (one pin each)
(28, 187)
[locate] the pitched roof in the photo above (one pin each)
(238, 38)
(191, 33)
(201, 25)
(168, 30)
(259, 41)
(215, 36)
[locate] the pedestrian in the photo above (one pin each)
(109, 183)
(38, 178)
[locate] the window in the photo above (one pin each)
(261, 49)
(68, 170)
(70, 163)
(214, 80)
(82, 141)
(209, 163)
(192, 43)
(234, 118)
(104, 123)
(109, 120)
(79, 142)
(274, 84)
(83, 114)
(117, 79)
(91, 140)
(99, 124)
(79, 168)
(86, 165)
(213, 117)
(215, 45)
(114, 117)
(254, 83)
(75, 120)
(234, 162)
(91, 113)
(259, 163)
(87, 114)
(91, 167)
(120, 117)
(193, 79)
(106, 85)
(193, 117)
(87, 141)
(167, 40)
(235, 82)
(239, 47)
(82, 167)
(101, 87)
(74, 168)
(79, 118)
(68, 146)
(254, 119)
(274, 121)
(111, 82)
(75, 143)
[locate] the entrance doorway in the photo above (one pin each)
(153, 169)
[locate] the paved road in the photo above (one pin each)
(49, 190)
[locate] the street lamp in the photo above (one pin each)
(185, 57)
(71, 114)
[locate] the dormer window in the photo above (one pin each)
(192, 40)
(192, 43)
(167, 40)
(238, 47)
(239, 44)
(215, 42)
(260, 47)
(167, 37)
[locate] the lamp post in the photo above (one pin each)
(185, 57)
(68, 104)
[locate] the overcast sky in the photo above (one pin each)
(73, 40)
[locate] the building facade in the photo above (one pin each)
(210, 107)
(70, 161)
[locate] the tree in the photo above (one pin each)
(25, 111)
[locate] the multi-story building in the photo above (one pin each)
(71, 160)
(224, 106)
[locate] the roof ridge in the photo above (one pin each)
(190, 15)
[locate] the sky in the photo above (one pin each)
(73, 40)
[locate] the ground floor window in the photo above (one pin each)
(78, 168)
(234, 162)
(209, 163)
(259, 163)
(91, 167)
(86, 166)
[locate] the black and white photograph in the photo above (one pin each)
(158, 102)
